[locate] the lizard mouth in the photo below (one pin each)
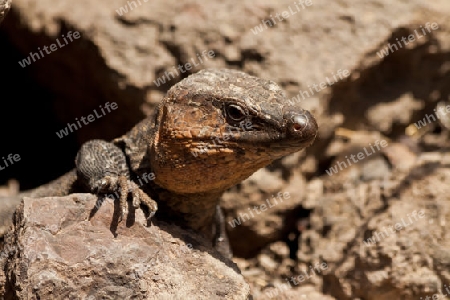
(298, 130)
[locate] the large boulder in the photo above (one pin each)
(72, 247)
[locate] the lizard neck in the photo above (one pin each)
(195, 211)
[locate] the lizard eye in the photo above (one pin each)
(235, 112)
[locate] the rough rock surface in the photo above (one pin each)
(8, 204)
(398, 247)
(57, 252)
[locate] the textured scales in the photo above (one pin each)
(197, 146)
(98, 159)
(102, 168)
(211, 131)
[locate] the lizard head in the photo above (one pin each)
(217, 127)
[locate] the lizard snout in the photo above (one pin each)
(301, 125)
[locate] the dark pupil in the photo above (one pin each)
(235, 113)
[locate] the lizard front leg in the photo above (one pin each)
(102, 168)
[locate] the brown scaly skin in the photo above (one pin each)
(192, 115)
(211, 131)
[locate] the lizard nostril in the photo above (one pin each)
(301, 125)
(299, 122)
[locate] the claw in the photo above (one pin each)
(150, 216)
(136, 201)
(122, 181)
(122, 214)
(126, 186)
(143, 198)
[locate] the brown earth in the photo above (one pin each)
(396, 195)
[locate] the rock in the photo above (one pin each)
(262, 211)
(399, 250)
(8, 203)
(383, 115)
(56, 252)
(11, 189)
(400, 156)
(7, 207)
(5, 5)
(302, 293)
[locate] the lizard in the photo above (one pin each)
(211, 131)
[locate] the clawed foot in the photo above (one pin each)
(102, 167)
(139, 197)
(118, 188)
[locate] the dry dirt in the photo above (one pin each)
(375, 229)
